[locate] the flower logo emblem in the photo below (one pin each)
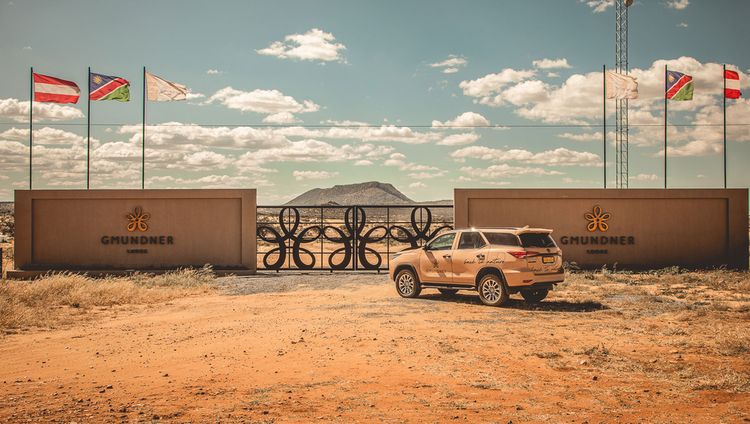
(137, 220)
(597, 220)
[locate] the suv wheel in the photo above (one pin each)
(534, 296)
(407, 284)
(492, 290)
(448, 292)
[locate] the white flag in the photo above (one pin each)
(621, 86)
(161, 90)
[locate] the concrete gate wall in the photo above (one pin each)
(634, 228)
(134, 229)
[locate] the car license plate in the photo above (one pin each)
(548, 260)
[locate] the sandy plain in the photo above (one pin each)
(605, 347)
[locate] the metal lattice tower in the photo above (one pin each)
(621, 106)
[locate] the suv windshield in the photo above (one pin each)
(444, 242)
(536, 240)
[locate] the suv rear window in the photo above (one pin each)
(536, 240)
(502, 239)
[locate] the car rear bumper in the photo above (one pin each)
(528, 278)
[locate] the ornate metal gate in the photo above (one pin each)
(353, 238)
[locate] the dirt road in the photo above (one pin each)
(345, 348)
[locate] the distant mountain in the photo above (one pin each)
(369, 193)
(445, 202)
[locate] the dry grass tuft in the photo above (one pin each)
(55, 299)
(669, 290)
(7, 257)
(725, 379)
(733, 344)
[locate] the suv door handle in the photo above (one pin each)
(480, 256)
(446, 256)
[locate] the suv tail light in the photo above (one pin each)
(524, 254)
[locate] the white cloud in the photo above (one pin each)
(557, 157)
(551, 63)
(214, 72)
(587, 136)
(417, 184)
(576, 101)
(313, 175)
(44, 135)
(204, 160)
(262, 101)
(188, 136)
(369, 134)
(314, 45)
(117, 150)
(682, 25)
(492, 83)
(644, 177)
(363, 162)
(459, 139)
(504, 171)
(13, 155)
(399, 160)
(466, 119)
(194, 96)
(495, 93)
(27, 48)
(18, 111)
(522, 93)
(450, 65)
(309, 150)
(706, 138)
(344, 123)
(281, 118)
(209, 181)
(423, 175)
(599, 6)
(678, 4)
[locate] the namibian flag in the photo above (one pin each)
(679, 86)
(105, 87)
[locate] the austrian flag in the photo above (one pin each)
(732, 84)
(55, 90)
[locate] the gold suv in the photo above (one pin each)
(496, 262)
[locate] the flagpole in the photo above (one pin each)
(724, 95)
(31, 122)
(88, 131)
(604, 120)
(665, 126)
(143, 135)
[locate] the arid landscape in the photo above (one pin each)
(665, 346)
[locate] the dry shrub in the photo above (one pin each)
(7, 225)
(7, 257)
(667, 290)
(730, 343)
(725, 379)
(52, 299)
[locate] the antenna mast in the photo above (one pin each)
(621, 105)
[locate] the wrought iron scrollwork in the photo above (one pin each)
(354, 237)
(418, 233)
(288, 234)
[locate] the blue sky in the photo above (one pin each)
(420, 74)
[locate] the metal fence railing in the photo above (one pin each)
(335, 237)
